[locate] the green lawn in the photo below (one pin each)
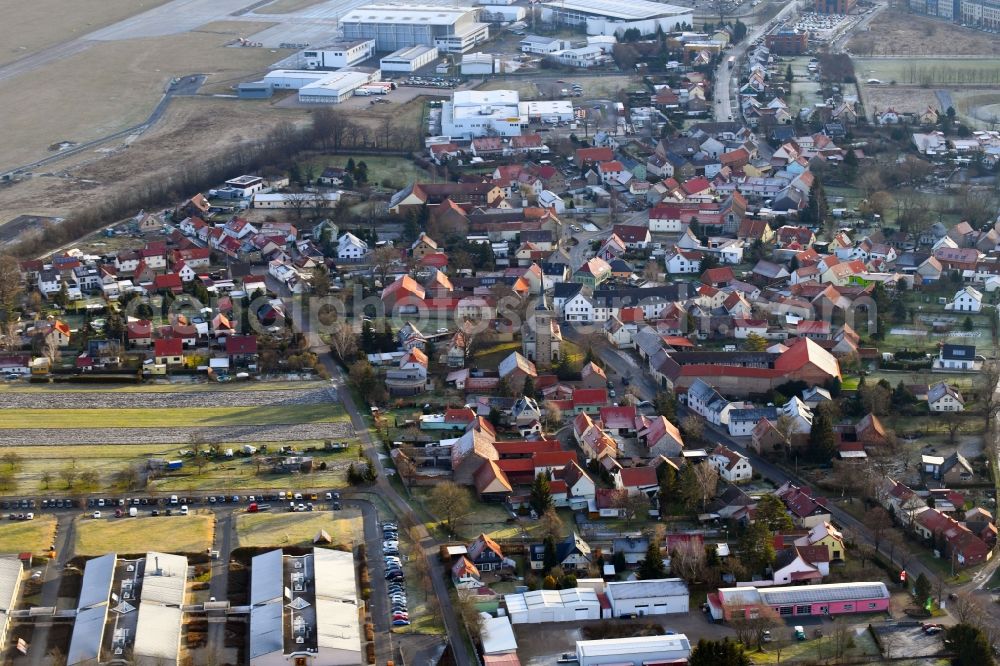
(399, 171)
(24, 387)
(165, 418)
(927, 71)
(282, 528)
(22, 536)
(814, 650)
(168, 534)
(221, 474)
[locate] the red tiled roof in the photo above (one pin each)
(636, 477)
(590, 397)
(168, 347)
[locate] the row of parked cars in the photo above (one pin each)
(394, 575)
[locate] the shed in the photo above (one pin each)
(648, 597)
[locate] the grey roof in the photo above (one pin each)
(164, 578)
(641, 589)
(98, 575)
(753, 414)
(642, 295)
(266, 636)
(959, 352)
(629, 545)
(566, 289)
(88, 633)
(266, 577)
(816, 593)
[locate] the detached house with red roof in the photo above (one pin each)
(169, 351)
(486, 554)
(806, 510)
(637, 481)
(661, 438)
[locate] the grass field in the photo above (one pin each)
(29, 27)
(224, 474)
(927, 71)
(166, 418)
(207, 387)
(297, 529)
(398, 171)
(27, 535)
(114, 85)
(168, 534)
(814, 650)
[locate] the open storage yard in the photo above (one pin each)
(281, 528)
(168, 534)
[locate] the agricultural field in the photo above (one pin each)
(40, 24)
(903, 34)
(281, 529)
(929, 71)
(168, 534)
(594, 87)
(168, 418)
(114, 85)
(33, 536)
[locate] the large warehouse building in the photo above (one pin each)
(451, 29)
(321, 87)
(607, 17)
(802, 600)
(472, 113)
(339, 54)
(648, 597)
(409, 59)
(553, 606)
(639, 651)
(304, 609)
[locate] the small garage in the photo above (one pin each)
(648, 597)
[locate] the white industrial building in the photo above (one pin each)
(607, 17)
(474, 64)
(542, 45)
(634, 651)
(472, 113)
(648, 597)
(158, 629)
(335, 88)
(553, 606)
(304, 609)
(11, 571)
(295, 200)
(451, 29)
(409, 59)
(339, 54)
(585, 56)
(555, 110)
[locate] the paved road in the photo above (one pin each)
(727, 79)
(647, 390)
(218, 588)
(399, 505)
(50, 588)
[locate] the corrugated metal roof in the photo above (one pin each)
(627, 646)
(265, 577)
(639, 589)
(819, 593)
(334, 571)
(164, 578)
(158, 632)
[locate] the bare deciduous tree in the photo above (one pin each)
(343, 341)
(751, 622)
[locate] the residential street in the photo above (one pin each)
(384, 489)
(622, 365)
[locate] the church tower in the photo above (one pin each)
(543, 329)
